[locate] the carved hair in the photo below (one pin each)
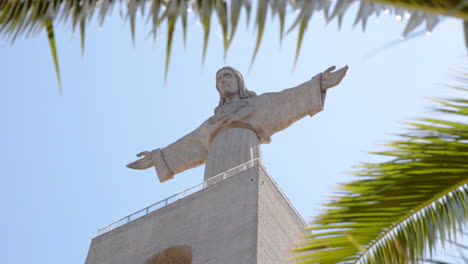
(243, 91)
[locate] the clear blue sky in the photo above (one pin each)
(63, 157)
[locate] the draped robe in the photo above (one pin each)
(234, 133)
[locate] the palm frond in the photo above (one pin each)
(397, 211)
(19, 17)
(29, 16)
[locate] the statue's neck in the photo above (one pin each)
(230, 100)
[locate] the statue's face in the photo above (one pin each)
(227, 84)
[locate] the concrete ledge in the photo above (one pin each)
(243, 219)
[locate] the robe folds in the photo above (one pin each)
(265, 114)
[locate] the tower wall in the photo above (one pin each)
(279, 228)
(243, 219)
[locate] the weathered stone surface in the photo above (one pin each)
(278, 229)
(230, 148)
(241, 220)
(239, 109)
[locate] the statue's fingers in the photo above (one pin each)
(345, 68)
(339, 75)
(330, 69)
(135, 165)
(342, 71)
(131, 165)
(142, 153)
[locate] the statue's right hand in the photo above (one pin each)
(143, 163)
(330, 79)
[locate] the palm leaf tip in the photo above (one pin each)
(53, 50)
(82, 37)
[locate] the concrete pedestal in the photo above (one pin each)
(243, 219)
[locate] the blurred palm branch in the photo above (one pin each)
(27, 17)
(402, 210)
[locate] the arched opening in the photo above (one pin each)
(172, 255)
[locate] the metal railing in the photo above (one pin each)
(196, 188)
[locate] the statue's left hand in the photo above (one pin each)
(330, 79)
(143, 163)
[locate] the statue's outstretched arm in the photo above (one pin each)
(186, 153)
(277, 111)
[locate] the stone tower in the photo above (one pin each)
(238, 217)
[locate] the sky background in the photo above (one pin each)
(63, 157)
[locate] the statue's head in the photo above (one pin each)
(229, 81)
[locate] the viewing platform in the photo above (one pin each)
(237, 217)
(196, 188)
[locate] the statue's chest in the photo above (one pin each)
(234, 111)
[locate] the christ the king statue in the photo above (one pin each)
(242, 121)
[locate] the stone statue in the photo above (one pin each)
(241, 122)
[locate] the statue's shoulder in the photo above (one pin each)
(258, 97)
(265, 97)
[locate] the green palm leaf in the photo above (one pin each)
(53, 50)
(29, 16)
(396, 211)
